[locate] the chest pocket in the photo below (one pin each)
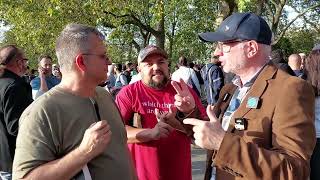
(258, 130)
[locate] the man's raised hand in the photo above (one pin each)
(184, 100)
(207, 134)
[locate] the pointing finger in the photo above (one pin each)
(193, 121)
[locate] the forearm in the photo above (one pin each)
(63, 168)
(138, 135)
(43, 85)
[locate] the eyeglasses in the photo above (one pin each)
(26, 61)
(226, 46)
(102, 56)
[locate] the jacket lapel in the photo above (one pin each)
(224, 100)
(257, 90)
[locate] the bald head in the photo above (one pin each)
(294, 61)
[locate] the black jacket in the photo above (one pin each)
(15, 97)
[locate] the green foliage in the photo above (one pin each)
(285, 45)
(247, 5)
(302, 40)
(35, 25)
(297, 41)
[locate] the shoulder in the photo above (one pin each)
(290, 87)
(35, 83)
(34, 80)
(38, 111)
(296, 83)
(16, 85)
(54, 80)
(103, 92)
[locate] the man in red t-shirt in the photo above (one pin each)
(160, 146)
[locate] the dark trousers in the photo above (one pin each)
(315, 162)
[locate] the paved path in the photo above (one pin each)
(198, 163)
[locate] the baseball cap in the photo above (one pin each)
(316, 47)
(243, 26)
(149, 50)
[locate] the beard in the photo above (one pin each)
(156, 84)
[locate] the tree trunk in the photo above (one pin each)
(260, 7)
(226, 8)
(160, 36)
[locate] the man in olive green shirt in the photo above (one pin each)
(74, 131)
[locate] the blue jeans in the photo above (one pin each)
(5, 175)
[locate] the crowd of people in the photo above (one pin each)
(88, 118)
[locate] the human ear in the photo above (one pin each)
(80, 62)
(252, 49)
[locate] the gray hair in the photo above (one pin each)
(72, 40)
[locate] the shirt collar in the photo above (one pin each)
(237, 81)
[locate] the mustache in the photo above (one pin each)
(157, 72)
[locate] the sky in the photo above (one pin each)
(3, 29)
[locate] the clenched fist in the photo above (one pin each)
(95, 139)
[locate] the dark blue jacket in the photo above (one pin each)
(213, 81)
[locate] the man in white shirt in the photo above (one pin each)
(187, 74)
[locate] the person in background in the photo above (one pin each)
(56, 71)
(277, 58)
(127, 68)
(133, 70)
(197, 69)
(45, 80)
(121, 80)
(213, 78)
(187, 74)
(312, 67)
(303, 58)
(294, 62)
(15, 96)
(111, 77)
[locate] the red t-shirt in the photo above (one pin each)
(169, 158)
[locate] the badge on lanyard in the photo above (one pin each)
(252, 102)
(240, 124)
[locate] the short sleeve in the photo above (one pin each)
(35, 145)
(124, 104)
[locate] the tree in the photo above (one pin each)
(132, 24)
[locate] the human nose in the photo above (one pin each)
(218, 52)
(155, 66)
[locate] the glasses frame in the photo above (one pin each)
(102, 56)
(225, 47)
(25, 60)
